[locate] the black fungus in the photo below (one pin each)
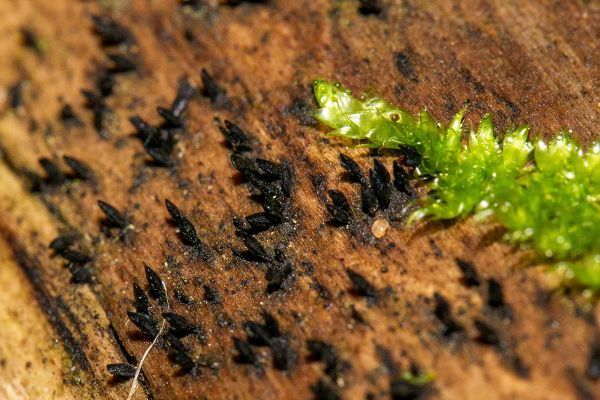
(111, 33)
(339, 209)
(284, 356)
(31, 40)
(236, 138)
(443, 313)
(64, 241)
(105, 82)
(113, 215)
(326, 353)
(155, 285)
(360, 286)
(145, 322)
(141, 300)
(180, 327)
(495, 297)
(593, 366)
(324, 391)
(80, 274)
(470, 276)
(53, 174)
(271, 324)
(178, 354)
(245, 354)
(369, 7)
(171, 120)
(121, 63)
(271, 169)
(254, 247)
(68, 116)
(75, 256)
(368, 199)
(259, 222)
(353, 170)
(185, 92)
(381, 184)
(160, 156)
(257, 334)
(125, 371)
(212, 90)
(211, 295)
(80, 169)
(405, 66)
(186, 228)
(486, 333)
(287, 178)
(278, 272)
(15, 95)
(402, 179)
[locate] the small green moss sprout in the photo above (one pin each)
(547, 194)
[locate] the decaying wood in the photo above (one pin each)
(533, 62)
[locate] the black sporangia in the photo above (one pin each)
(15, 95)
(243, 164)
(486, 333)
(245, 354)
(156, 285)
(99, 108)
(53, 174)
(370, 7)
(278, 272)
(270, 169)
(284, 356)
(145, 322)
(212, 90)
(180, 327)
(321, 351)
(171, 120)
(124, 371)
(470, 276)
(235, 137)
(402, 179)
(30, 40)
(185, 92)
(324, 391)
(159, 155)
(114, 216)
(143, 129)
(495, 297)
(368, 199)
(259, 222)
(211, 295)
(271, 324)
(593, 366)
(80, 169)
(286, 177)
(257, 334)
(179, 354)
(141, 300)
(75, 256)
(121, 63)
(353, 170)
(68, 117)
(105, 82)
(339, 209)
(443, 313)
(360, 286)
(254, 247)
(381, 184)
(111, 33)
(80, 273)
(186, 228)
(64, 241)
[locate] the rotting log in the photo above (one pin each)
(525, 62)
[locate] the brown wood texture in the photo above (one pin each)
(530, 62)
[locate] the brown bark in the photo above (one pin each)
(526, 62)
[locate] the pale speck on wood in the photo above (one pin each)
(379, 228)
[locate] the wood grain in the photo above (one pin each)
(524, 61)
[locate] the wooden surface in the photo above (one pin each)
(525, 61)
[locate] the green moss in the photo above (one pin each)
(547, 195)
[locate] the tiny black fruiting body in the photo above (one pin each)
(141, 300)
(113, 215)
(443, 313)
(80, 169)
(339, 209)
(381, 184)
(111, 33)
(156, 286)
(495, 297)
(470, 276)
(124, 371)
(245, 354)
(145, 322)
(361, 286)
(486, 334)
